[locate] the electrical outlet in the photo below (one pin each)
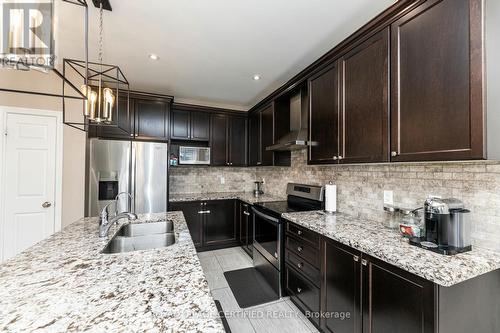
(222, 180)
(388, 198)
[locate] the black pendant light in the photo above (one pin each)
(105, 88)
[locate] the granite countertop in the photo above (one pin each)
(64, 284)
(375, 240)
(247, 197)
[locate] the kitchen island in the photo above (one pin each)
(65, 284)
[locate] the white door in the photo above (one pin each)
(29, 181)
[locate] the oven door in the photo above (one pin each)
(267, 236)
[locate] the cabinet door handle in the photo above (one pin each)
(394, 153)
(299, 232)
(246, 213)
(259, 163)
(335, 158)
(300, 265)
(204, 212)
(356, 258)
(341, 157)
(364, 262)
(299, 290)
(300, 248)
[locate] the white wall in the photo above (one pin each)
(73, 188)
(493, 76)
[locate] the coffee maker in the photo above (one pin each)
(447, 227)
(258, 189)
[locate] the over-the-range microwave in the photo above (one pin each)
(194, 155)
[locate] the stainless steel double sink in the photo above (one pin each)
(141, 236)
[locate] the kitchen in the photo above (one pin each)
(350, 183)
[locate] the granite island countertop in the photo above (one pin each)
(64, 284)
(247, 197)
(374, 239)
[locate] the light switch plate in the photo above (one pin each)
(388, 198)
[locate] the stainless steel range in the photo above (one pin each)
(268, 249)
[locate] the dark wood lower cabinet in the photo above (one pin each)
(341, 288)
(362, 294)
(212, 224)
(219, 225)
(395, 301)
(246, 227)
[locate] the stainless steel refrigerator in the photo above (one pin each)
(139, 168)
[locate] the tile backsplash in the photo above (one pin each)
(208, 179)
(360, 187)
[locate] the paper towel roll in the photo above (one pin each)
(331, 198)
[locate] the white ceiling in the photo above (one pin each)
(210, 49)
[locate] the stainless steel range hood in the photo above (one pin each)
(297, 138)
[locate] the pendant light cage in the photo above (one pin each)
(98, 82)
(105, 88)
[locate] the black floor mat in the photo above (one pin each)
(249, 287)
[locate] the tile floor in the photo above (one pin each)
(278, 316)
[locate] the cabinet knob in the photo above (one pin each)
(341, 157)
(300, 249)
(299, 290)
(394, 153)
(364, 262)
(300, 265)
(299, 232)
(335, 158)
(356, 258)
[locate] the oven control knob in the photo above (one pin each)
(300, 249)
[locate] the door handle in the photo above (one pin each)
(46, 204)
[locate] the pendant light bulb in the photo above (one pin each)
(93, 101)
(109, 101)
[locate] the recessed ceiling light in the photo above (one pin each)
(153, 57)
(256, 77)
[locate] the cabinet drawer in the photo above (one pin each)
(303, 234)
(299, 289)
(302, 266)
(304, 250)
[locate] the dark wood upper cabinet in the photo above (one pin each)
(384, 307)
(267, 136)
(123, 115)
(200, 126)
(437, 107)
(237, 136)
(180, 125)
(364, 100)
(228, 140)
(324, 116)
(254, 139)
(218, 140)
(190, 125)
(151, 119)
(342, 281)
